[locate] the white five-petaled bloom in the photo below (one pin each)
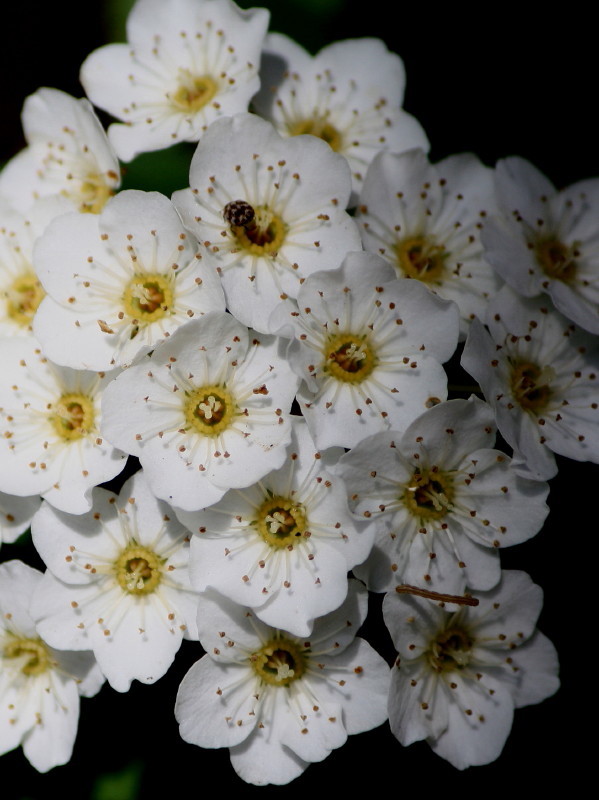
(120, 282)
(441, 500)
(426, 220)
(68, 154)
(368, 347)
(271, 211)
(461, 671)
(187, 63)
(284, 545)
(50, 416)
(539, 373)
(207, 411)
(277, 701)
(349, 95)
(117, 583)
(39, 686)
(546, 241)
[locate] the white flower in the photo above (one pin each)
(349, 95)
(206, 412)
(441, 500)
(187, 63)
(539, 373)
(50, 416)
(68, 154)
(546, 241)
(282, 546)
(425, 219)
(279, 702)
(39, 686)
(271, 210)
(461, 673)
(117, 583)
(368, 347)
(120, 282)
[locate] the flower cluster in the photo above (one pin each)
(255, 366)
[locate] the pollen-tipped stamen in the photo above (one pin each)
(420, 258)
(279, 662)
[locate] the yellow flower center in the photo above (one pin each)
(73, 416)
(429, 494)
(33, 654)
(281, 522)
(23, 298)
(450, 650)
(194, 91)
(419, 258)
(530, 385)
(349, 358)
(93, 194)
(148, 297)
(557, 260)
(138, 570)
(209, 410)
(279, 662)
(318, 126)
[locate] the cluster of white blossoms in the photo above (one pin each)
(261, 357)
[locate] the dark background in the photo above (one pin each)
(498, 85)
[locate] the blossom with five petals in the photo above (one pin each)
(39, 686)
(207, 411)
(260, 205)
(349, 95)
(120, 282)
(187, 63)
(277, 701)
(284, 545)
(441, 499)
(460, 673)
(68, 154)
(117, 583)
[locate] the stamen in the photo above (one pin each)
(209, 410)
(73, 416)
(279, 662)
(148, 297)
(33, 653)
(349, 358)
(557, 260)
(320, 127)
(194, 92)
(429, 495)
(138, 570)
(23, 298)
(281, 522)
(531, 385)
(420, 258)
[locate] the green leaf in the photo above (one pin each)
(122, 785)
(115, 16)
(162, 171)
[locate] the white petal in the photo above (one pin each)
(209, 712)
